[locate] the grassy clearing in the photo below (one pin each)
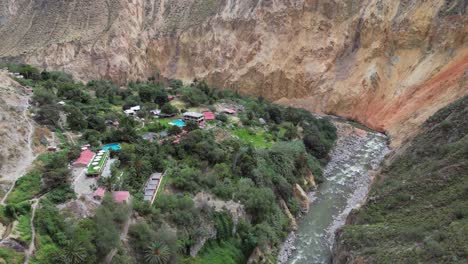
(257, 139)
(156, 125)
(26, 188)
(219, 253)
(162, 186)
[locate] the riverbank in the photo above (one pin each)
(347, 178)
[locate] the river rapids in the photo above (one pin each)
(347, 180)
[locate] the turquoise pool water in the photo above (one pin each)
(113, 146)
(179, 123)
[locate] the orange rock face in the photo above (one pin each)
(387, 64)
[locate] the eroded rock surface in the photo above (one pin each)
(387, 64)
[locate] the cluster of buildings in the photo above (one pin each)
(117, 196)
(205, 116)
(93, 162)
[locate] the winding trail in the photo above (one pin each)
(32, 245)
(27, 160)
(22, 167)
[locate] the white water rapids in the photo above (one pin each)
(346, 184)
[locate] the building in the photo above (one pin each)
(152, 186)
(135, 108)
(155, 112)
(150, 136)
(98, 163)
(194, 116)
(209, 115)
(132, 110)
(52, 148)
(129, 112)
(229, 111)
(99, 193)
(85, 158)
(85, 147)
(161, 115)
(121, 197)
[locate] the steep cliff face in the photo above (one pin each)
(387, 64)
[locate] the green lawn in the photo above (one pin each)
(162, 186)
(156, 125)
(101, 164)
(257, 139)
(222, 253)
(165, 121)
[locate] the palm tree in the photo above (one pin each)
(157, 253)
(73, 253)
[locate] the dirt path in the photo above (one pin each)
(23, 164)
(70, 138)
(32, 246)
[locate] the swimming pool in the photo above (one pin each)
(113, 146)
(179, 123)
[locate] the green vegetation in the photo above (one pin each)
(24, 227)
(418, 210)
(221, 253)
(252, 160)
(26, 188)
(10, 256)
(257, 139)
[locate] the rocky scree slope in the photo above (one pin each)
(387, 64)
(16, 128)
(417, 211)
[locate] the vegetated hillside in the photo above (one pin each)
(417, 211)
(231, 190)
(387, 64)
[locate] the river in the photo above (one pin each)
(347, 180)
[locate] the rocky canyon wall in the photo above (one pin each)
(387, 64)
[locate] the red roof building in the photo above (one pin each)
(170, 97)
(84, 159)
(99, 193)
(209, 115)
(121, 196)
